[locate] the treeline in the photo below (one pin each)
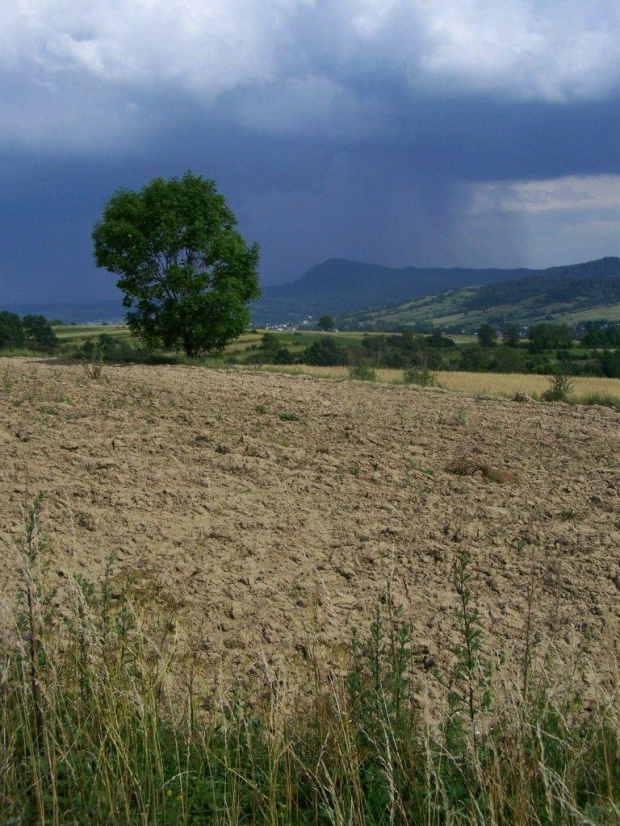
(32, 332)
(599, 336)
(547, 347)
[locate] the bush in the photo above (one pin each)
(326, 352)
(362, 372)
(438, 341)
(420, 375)
(107, 348)
(560, 387)
(270, 351)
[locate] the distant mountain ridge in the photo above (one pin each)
(339, 285)
(576, 292)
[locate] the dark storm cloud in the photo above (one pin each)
(357, 129)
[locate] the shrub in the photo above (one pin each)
(420, 375)
(326, 352)
(560, 387)
(438, 341)
(362, 372)
(107, 348)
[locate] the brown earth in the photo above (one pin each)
(266, 513)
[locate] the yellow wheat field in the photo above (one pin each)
(507, 384)
(487, 384)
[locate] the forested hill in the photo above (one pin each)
(341, 286)
(575, 292)
(598, 280)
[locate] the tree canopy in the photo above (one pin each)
(31, 331)
(547, 336)
(326, 323)
(186, 272)
(511, 335)
(486, 335)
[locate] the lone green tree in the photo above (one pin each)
(486, 336)
(511, 335)
(326, 323)
(186, 272)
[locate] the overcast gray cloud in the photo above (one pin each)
(286, 66)
(365, 128)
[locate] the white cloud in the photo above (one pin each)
(291, 64)
(571, 192)
(570, 219)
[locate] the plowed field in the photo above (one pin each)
(266, 513)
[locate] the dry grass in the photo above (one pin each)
(489, 384)
(507, 384)
(384, 376)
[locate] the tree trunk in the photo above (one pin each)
(188, 342)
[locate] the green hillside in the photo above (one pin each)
(580, 292)
(342, 286)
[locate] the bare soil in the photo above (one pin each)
(265, 514)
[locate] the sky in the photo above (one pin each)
(475, 133)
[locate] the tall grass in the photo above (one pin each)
(586, 389)
(98, 726)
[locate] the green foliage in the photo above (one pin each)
(560, 386)
(420, 375)
(107, 348)
(186, 273)
(592, 281)
(608, 336)
(548, 336)
(500, 360)
(92, 732)
(289, 417)
(511, 335)
(32, 331)
(326, 323)
(326, 352)
(437, 341)
(602, 399)
(362, 372)
(12, 334)
(487, 336)
(520, 297)
(609, 363)
(271, 351)
(39, 333)
(468, 682)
